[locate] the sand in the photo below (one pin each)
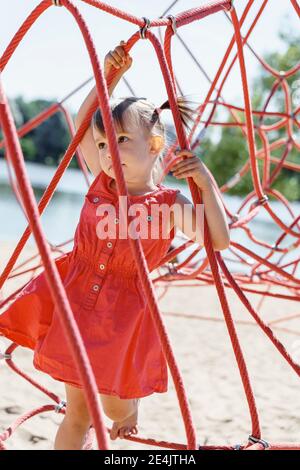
(205, 358)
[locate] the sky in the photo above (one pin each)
(52, 60)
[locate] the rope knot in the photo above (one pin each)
(235, 218)
(255, 440)
(171, 268)
(262, 200)
(173, 23)
(144, 29)
(60, 406)
(5, 356)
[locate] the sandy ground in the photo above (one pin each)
(205, 358)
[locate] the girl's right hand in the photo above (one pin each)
(118, 59)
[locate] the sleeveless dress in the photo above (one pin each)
(106, 296)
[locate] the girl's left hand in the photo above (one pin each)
(193, 167)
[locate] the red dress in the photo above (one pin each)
(107, 300)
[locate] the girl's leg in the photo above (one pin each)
(76, 422)
(124, 413)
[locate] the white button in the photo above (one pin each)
(96, 199)
(109, 244)
(116, 221)
(149, 217)
(102, 266)
(96, 287)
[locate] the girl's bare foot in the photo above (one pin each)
(126, 427)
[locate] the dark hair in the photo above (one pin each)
(144, 114)
(187, 113)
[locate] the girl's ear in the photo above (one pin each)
(156, 144)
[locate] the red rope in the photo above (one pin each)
(185, 270)
(55, 284)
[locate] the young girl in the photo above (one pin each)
(100, 275)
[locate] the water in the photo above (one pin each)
(60, 218)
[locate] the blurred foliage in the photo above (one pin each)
(228, 155)
(48, 142)
(224, 156)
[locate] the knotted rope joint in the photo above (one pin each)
(255, 440)
(173, 23)
(5, 356)
(144, 29)
(60, 406)
(262, 200)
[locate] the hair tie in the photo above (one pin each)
(158, 110)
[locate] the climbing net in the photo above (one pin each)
(212, 268)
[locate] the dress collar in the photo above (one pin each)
(105, 182)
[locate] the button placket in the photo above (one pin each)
(92, 295)
(97, 280)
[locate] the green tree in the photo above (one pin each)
(46, 143)
(288, 181)
(225, 157)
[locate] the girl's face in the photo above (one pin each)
(137, 156)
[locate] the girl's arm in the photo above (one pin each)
(117, 59)
(191, 221)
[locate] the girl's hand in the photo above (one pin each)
(193, 167)
(118, 59)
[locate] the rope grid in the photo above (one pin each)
(263, 271)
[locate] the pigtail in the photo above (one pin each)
(187, 113)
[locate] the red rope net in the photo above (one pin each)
(212, 269)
